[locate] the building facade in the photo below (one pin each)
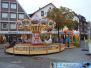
(84, 27)
(42, 12)
(10, 13)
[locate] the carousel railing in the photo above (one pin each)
(23, 49)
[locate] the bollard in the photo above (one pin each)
(4, 49)
(85, 45)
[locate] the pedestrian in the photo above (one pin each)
(64, 39)
(61, 39)
(68, 40)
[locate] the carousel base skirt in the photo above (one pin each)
(35, 50)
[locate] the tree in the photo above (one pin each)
(54, 15)
(69, 16)
(63, 17)
(75, 25)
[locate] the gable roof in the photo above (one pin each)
(41, 9)
(23, 9)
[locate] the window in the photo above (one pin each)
(12, 26)
(46, 13)
(42, 13)
(13, 6)
(13, 15)
(4, 25)
(5, 5)
(50, 8)
(21, 16)
(4, 15)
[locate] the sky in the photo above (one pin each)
(82, 7)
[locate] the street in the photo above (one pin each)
(12, 61)
(42, 61)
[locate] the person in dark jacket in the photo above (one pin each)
(64, 39)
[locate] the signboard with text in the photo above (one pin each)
(66, 65)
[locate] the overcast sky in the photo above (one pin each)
(82, 7)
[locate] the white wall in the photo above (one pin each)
(38, 16)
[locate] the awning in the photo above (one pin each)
(15, 32)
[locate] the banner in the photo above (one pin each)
(66, 65)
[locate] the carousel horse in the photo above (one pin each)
(49, 40)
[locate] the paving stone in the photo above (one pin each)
(43, 61)
(8, 65)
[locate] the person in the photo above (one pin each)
(10, 40)
(19, 40)
(64, 39)
(61, 39)
(54, 39)
(14, 42)
(68, 40)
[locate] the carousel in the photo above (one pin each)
(34, 44)
(42, 39)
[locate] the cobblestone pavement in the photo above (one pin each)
(70, 55)
(42, 61)
(12, 61)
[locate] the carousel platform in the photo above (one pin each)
(28, 49)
